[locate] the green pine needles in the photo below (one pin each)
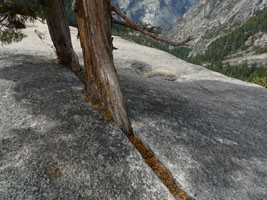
(13, 16)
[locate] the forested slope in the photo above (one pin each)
(238, 44)
(218, 51)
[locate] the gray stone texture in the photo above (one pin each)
(161, 13)
(211, 135)
(53, 145)
(209, 130)
(208, 20)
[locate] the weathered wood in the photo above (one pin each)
(60, 33)
(128, 22)
(94, 23)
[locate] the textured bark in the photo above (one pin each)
(94, 24)
(60, 33)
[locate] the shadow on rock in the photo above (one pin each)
(54, 146)
(211, 135)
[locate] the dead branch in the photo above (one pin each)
(124, 23)
(128, 22)
(3, 18)
(74, 6)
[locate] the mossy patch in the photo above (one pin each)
(81, 76)
(106, 114)
(146, 154)
(54, 173)
(159, 169)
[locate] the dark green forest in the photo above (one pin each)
(257, 75)
(126, 33)
(230, 44)
(217, 51)
(234, 40)
(215, 55)
(70, 14)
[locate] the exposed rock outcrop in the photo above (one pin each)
(207, 20)
(158, 13)
(53, 145)
(250, 56)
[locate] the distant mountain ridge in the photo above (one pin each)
(162, 13)
(208, 20)
(230, 37)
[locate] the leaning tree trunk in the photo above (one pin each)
(94, 23)
(60, 33)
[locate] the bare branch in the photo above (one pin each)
(124, 23)
(74, 6)
(136, 27)
(3, 18)
(13, 15)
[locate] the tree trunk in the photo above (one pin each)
(60, 33)
(94, 24)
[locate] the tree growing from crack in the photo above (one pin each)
(94, 19)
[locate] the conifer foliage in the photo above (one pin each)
(13, 16)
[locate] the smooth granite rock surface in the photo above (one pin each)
(209, 130)
(53, 145)
(211, 135)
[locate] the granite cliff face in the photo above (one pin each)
(208, 20)
(156, 12)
